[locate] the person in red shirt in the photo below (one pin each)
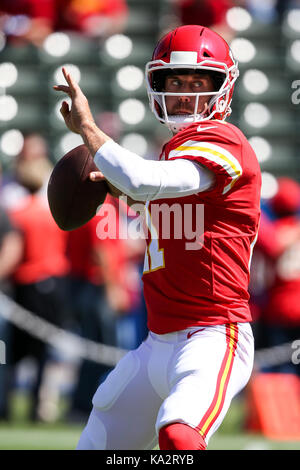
(33, 20)
(209, 13)
(201, 205)
(25, 21)
(11, 250)
(280, 314)
(94, 18)
(39, 280)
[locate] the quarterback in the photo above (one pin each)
(176, 388)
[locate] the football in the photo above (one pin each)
(73, 198)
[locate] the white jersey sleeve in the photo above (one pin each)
(145, 180)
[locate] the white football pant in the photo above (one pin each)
(188, 376)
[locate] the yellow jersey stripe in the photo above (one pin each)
(214, 153)
(185, 148)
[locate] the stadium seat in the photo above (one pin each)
(68, 48)
(262, 32)
(143, 19)
(94, 80)
(276, 91)
(267, 57)
(292, 56)
(29, 81)
(290, 25)
(146, 126)
(279, 123)
(283, 158)
(138, 54)
(140, 23)
(21, 54)
(121, 87)
(31, 115)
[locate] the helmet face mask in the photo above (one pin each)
(191, 58)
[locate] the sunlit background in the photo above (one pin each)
(112, 76)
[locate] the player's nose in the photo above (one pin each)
(184, 99)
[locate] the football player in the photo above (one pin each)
(177, 386)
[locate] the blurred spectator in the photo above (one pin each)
(270, 11)
(11, 250)
(110, 123)
(33, 20)
(264, 12)
(94, 18)
(27, 20)
(12, 190)
(284, 5)
(98, 295)
(209, 13)
(280, 243)
(40, 277)
(262, 275)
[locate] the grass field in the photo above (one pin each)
(21, 435)
(65, 437)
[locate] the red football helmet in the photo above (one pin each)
(192, 48)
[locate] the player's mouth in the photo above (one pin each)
(183, 111)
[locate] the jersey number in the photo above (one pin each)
(154, 256)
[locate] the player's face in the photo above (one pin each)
(191, 83)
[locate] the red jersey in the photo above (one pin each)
(44, 243)
(204, 281)
(84, 246)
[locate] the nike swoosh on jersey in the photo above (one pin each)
(199, 128)
(191, 333)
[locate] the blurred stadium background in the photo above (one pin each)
(110, 71)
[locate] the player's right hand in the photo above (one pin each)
(79, 114)
(96, 176)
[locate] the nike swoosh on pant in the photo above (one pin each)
(191, 333)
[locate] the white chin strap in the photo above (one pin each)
(178, 122)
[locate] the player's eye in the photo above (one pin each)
(173, 82)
